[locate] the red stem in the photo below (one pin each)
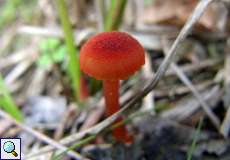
(111, 93)
(84, 91)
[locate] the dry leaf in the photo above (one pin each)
(176, 12)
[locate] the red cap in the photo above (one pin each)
(111, 55)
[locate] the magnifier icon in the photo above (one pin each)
(9, 147)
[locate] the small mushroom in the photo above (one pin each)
(110, 57)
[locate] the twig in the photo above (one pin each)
(188, 107)
(182, 89)
(5, 125)
(225, 126)
(139, 13)
(17, 71)
(17, 57)
(200, 8)
(39, 78)
(100, 11)
(208, 63)
(61, 127)
(94, 116)
(7, 38)
(187, 82)
(39, 135)
(148, 101)
(79, 35)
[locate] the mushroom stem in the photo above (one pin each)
(111, 93)
(84, 91)
(111, 89)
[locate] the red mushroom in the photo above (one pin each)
(110, 57)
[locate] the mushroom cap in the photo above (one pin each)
(111, 55)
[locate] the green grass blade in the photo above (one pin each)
(74, 146)
(7, 103)
(115, 15)
(193, 145)
(73, 53)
